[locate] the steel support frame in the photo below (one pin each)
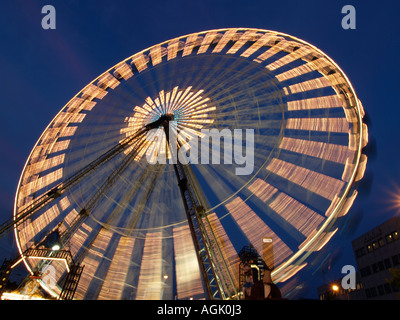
(215, 274)
(74, 271)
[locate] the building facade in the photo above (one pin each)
(376, 253)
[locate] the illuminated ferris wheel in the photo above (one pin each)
(117, 177)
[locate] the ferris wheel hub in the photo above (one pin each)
(164, 119)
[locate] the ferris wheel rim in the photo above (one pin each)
(329, 220)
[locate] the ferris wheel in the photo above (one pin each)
(120, 176)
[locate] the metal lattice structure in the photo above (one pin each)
(101, 172)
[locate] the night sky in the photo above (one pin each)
(41, 70)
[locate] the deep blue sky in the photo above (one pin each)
(42, 69)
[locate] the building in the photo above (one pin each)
(376, 252)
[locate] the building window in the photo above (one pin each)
(387, 287)
(394, 288)
(381, 265)
(392, 236)
(367, 293)
(371, 292)
(360, 252)
(366, 271)
(381, 242)
(381, 290)
(396, 260)
(370, 248)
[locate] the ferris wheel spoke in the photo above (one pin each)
(263, 91)
(220, 188)
(111, 179)
(150, 185)
(212, 80)
(286, 211)
(242, 95)
(56, 192)
(136, 184)
(97, 197)
(317, 183)
(114, 282)
(91, 256)
(255, 229)
(288, 225)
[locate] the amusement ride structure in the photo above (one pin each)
(128, 195)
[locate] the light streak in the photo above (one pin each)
(188, 278)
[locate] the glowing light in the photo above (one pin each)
(17, 296)
(191, 113)
(335, 287)
(394, 198)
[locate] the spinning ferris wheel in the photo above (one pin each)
(102, 177)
